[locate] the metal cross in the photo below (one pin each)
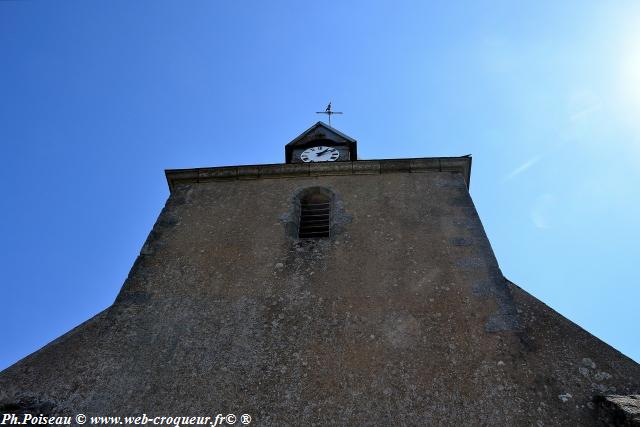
(328, 112)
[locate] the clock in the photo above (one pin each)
(319, 154)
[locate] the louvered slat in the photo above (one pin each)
(315, 220)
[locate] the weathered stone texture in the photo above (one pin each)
(401, 317)
(617, 410)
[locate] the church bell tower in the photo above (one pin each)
(325, 290)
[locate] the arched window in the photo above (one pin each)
(315, 216)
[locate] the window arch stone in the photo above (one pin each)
(315, 195)
(314, 221)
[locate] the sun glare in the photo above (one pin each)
(629, 78)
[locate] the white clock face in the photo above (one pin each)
(320, 154)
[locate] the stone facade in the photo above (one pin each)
(617, 410)
(401, 317)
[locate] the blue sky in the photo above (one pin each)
(98, 98)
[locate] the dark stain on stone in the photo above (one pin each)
(527, 344)
(155, 240)
(180, 195)
(461, 241)
(505, 318)
(461, 201)
(134, 298)
(469, 263)
(28, 405)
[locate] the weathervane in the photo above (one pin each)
(328, 112)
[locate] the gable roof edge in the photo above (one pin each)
(320, 124)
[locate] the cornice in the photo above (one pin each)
(460, 165)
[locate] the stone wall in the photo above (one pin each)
(401, 317)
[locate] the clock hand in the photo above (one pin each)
(322, 152)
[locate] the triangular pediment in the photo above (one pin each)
(319, 131)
